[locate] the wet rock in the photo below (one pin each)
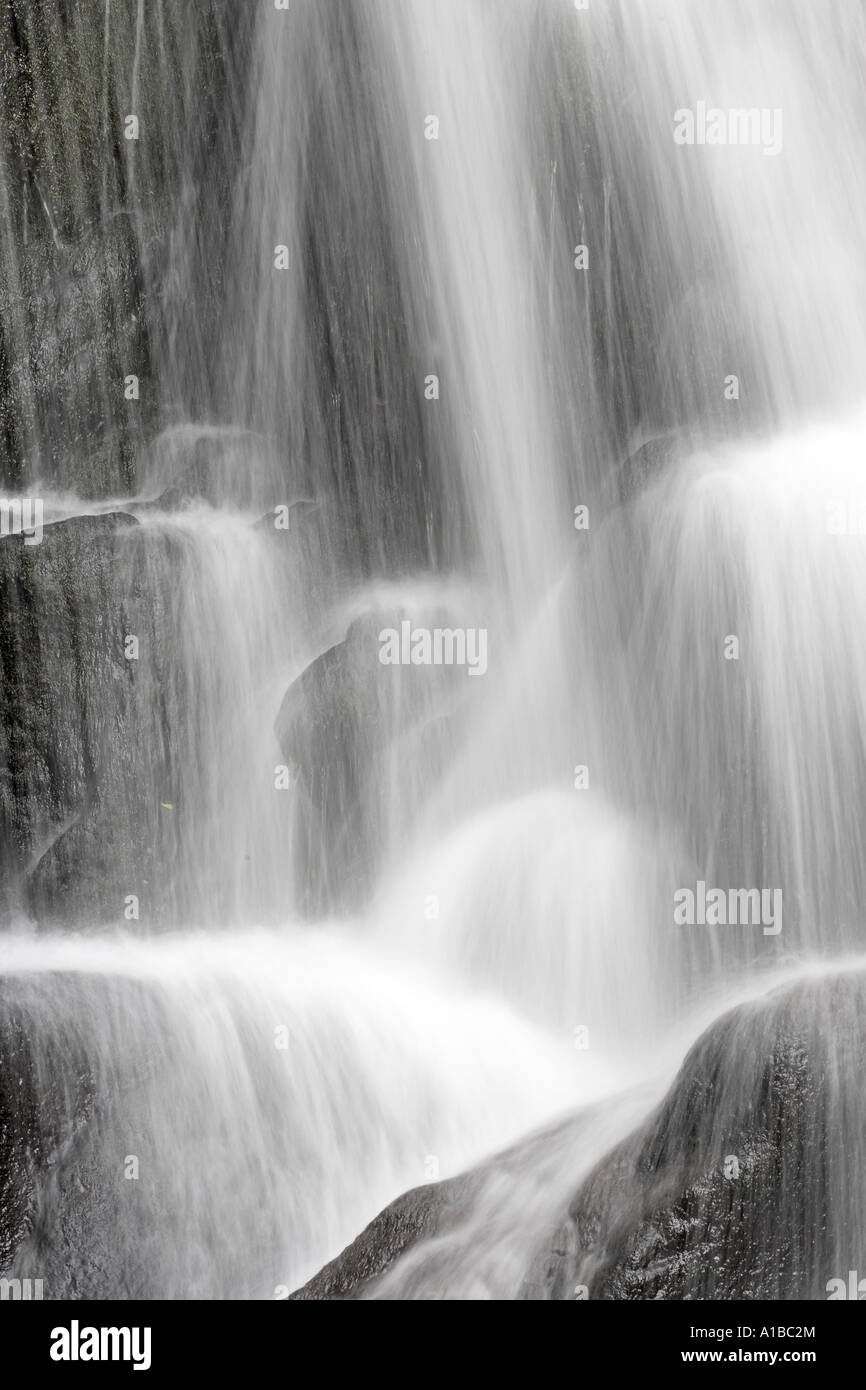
(87, 218)
(69, 1114)
(340, 725)
(745, 1184)
(74, 321)
(328, 730)
(76, 823)
(418, 1215)
(46, 1097)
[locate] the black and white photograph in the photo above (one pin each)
(432, 667)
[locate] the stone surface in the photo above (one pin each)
(46, 1098)
(78, 823)
(745, 1184)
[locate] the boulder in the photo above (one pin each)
(350, 726)
(745, 1184)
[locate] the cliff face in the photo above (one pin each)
(91, 205)
(99, 218)
(84, 750)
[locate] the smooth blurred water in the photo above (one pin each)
(506, 948)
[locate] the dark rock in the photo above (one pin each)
(46, 1097)
(75, 326)
(436, 1212)
(85, 292)
(418, 1215)
(77, 1055)
(745, 1184)
(78, 824)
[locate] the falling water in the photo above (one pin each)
(414, 314)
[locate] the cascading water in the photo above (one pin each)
(414, 317)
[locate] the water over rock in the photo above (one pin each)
(75, 819)
(46, 1098)
(126, 1055)
(745, 1184)
(239, 272)
(344, 724)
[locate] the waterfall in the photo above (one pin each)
(521, 341)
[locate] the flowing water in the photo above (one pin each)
(357, 925)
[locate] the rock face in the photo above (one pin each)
(64, 1203)
(45, 1100)
(87, 215)
(78, 821)
(421, 1214)
(745, 1184)
(85, 325)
